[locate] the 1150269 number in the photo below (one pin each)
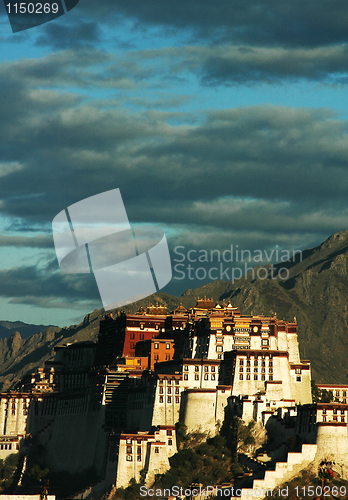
(319, 491)
(32, 8)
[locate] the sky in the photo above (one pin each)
(221, 122)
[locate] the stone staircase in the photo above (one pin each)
(284, 471)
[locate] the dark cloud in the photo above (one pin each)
(64, 35)
(276, 22)
(270, 154)
(38, 286)
(28, 242)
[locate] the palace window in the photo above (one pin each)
(298, 371)
(344, 393)
(342, 419)
(337, 393)
(177, 399)
(156, 327)
(248, 369)
(255, 370)
(139, 458)
(169, 390)
(241, 376)
(335, 411)
(298, 379)
(255, 362)
(206, 376)
(156, 345)
(219, 356)
(219, 349)
(156, 450)
(161, 399)
(186, 368)
(139, 450)
(141, 326)
(264, 342)
(213, 377)
(206, 368)
(167, 346)
(213, 368)
(255, 377)
(241, 368)
(128, 441)
(185, 376)
(342, 412)
(263, 377)
(196, 368)
(241, 362)
(176, 390)
(169, 432)
(129, 449)
(129, 458)
(196, 376)
(324, 411)
(248, 376)
(170, 442)
(169, 399)
(132, 335)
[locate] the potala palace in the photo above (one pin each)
(114, 404)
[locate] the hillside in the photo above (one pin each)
(25, 329)
(316, 292)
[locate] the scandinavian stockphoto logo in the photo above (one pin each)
(25, 15)
(94, 236)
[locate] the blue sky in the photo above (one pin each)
(221, 122)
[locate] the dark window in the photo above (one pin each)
(196, 368)
(196, 376)
(185, 376)
(241, 376)
(169, 399)
(170, 442)
(156, 450)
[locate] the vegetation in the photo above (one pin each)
(8, 468)
(321, 395)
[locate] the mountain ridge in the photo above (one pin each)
(315, 292)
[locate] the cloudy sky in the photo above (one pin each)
(222, 122)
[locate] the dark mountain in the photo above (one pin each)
(25, 329)
(315, 291)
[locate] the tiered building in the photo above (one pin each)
(148, 371)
